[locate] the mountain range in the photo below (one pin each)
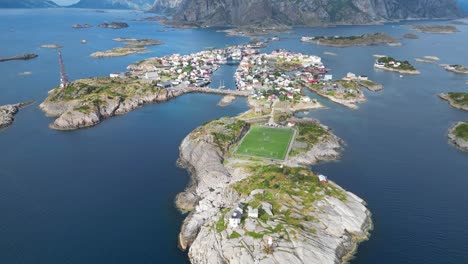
(303, 12)
(27, 3)
(115, 4)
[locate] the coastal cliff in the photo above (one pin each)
(279, 12)
(86, 102)
(314, 223)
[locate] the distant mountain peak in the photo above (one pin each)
(27, 3)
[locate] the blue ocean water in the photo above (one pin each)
(105, 194)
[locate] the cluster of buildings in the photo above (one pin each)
(391, 63)
(189, 70)
(353, 77)
(269, 71)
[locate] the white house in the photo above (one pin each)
(252, 212)
(323, 178)
(236, 216)
(328, 77)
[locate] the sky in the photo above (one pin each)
(66, 2)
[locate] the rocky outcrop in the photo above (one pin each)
(7, 113)
(280, 12)
(457, 100)
(74, 114)
(455, 139)
(114, 25)
(338, 224)
(27, 56)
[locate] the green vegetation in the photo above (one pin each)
(348, 84)
(85, 109)
(459, 98)
(266, 142)
(347, 41)
(461, 131)
(234, 235)
(220, 224)
(369, 83)
(285, 189)
(309, 133)
(225, 131)
(97, 92)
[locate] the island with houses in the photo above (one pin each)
(252, 198)
(390, 64)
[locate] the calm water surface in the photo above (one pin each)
(105, 194)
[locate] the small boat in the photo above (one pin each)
(83, 41)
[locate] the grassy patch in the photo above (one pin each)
(266, 142)
(461, 131)
(234, 235)
(459, 98)
(220, 224)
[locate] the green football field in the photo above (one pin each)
(266, 142)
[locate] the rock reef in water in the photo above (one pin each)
(27, 56)
(81, 26)
(436, 29)
(458, 100)
(7, 113)
(114, 25)
(323, 226)
(458, 135)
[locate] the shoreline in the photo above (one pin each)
(452, 103)
(213, 171)
(459, 143)
(7, 113)
(416, 72)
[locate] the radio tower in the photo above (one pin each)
(63, 75)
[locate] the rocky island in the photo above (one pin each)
(391, 64)
(27, 56)
(410, 36)
(132, 46)
(81, 26)
(456, 68)
(349, 41)
(246, 207)
(7, 113)
(458, 135)
(51, 46)
(437, 29)
(114, 25)
(119, 52)
(458, 100)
